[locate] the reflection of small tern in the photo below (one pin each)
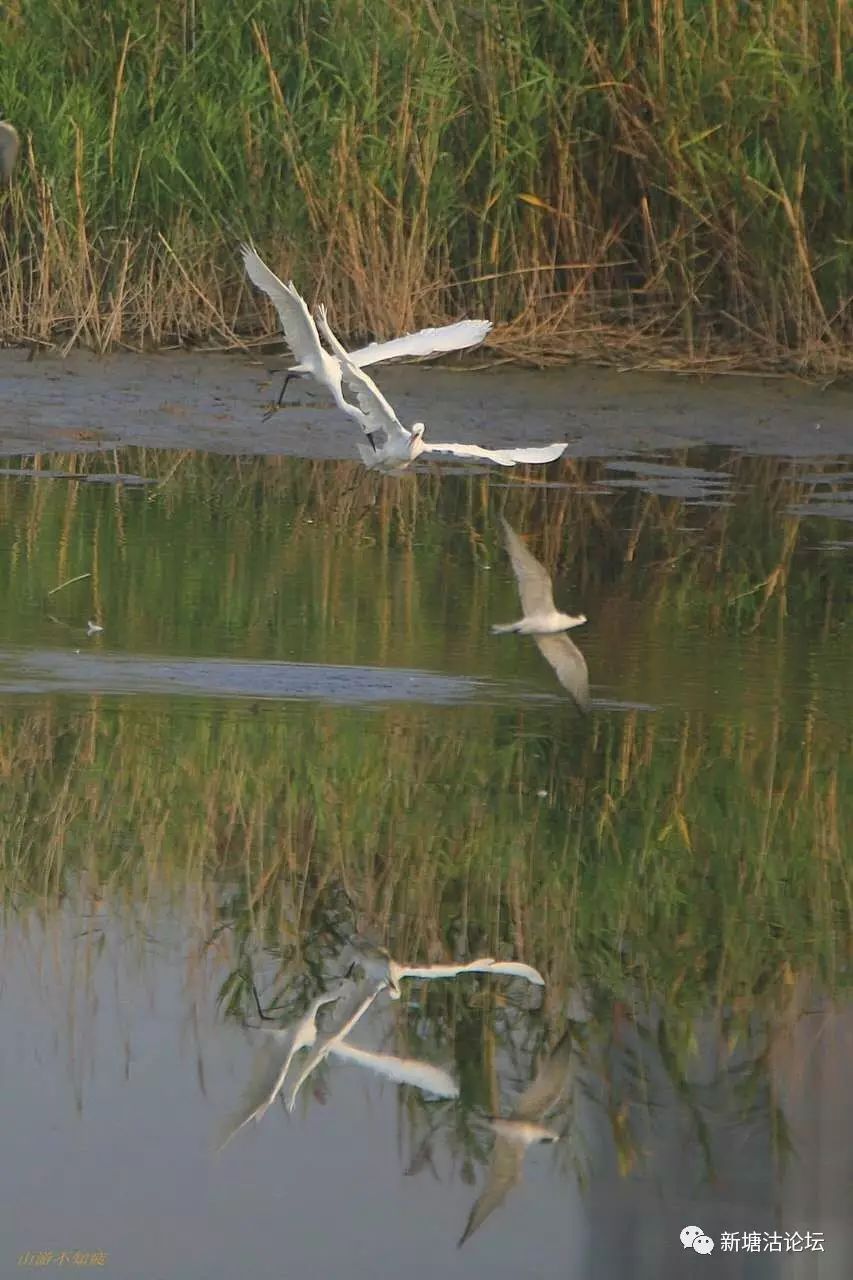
(521, 1129)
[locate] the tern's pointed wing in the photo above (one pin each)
(502, 1175)
(426, 342)
(570, 667)
(377, 412)
(347, 1014)
(548, 1085)
(423, 1075)
(534, 581)
(296, 320)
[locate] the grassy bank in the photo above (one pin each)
(656, 183)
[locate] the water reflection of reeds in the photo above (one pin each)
(732, 824)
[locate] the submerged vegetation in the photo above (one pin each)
(661, 182)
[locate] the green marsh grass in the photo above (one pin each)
(655, 183)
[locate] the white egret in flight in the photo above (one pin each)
(399, 445)
(544, 622)
(293, 312)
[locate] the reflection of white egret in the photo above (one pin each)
(9, 146)
(544, 622)
(378, 964)
(521, 1129)
(357, 1000)
(277, 1049)
(292, 311)
(412, 1071)
(400, 446)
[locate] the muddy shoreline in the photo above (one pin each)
(216, 403)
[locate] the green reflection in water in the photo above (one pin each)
(696, 847)
(689, 857)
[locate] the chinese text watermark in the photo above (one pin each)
(754, 1241)
(63, 1258)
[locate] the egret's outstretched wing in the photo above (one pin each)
(347, 1014)
(502, 457)
(444, 970)
(515, 969)
(423, 1075)
(537, 452)
(296, 320)
(569, 665)
(268, 1072)
(506, 968)
(276, 1050)
(426, 342)
(376, 413)
(534, 581)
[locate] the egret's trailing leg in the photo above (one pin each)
(288, 377)
(263, 1016)
(275, 408)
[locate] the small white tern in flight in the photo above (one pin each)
(544, 622)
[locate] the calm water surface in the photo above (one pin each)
(296, 730)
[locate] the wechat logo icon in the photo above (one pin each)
(695, 1238)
